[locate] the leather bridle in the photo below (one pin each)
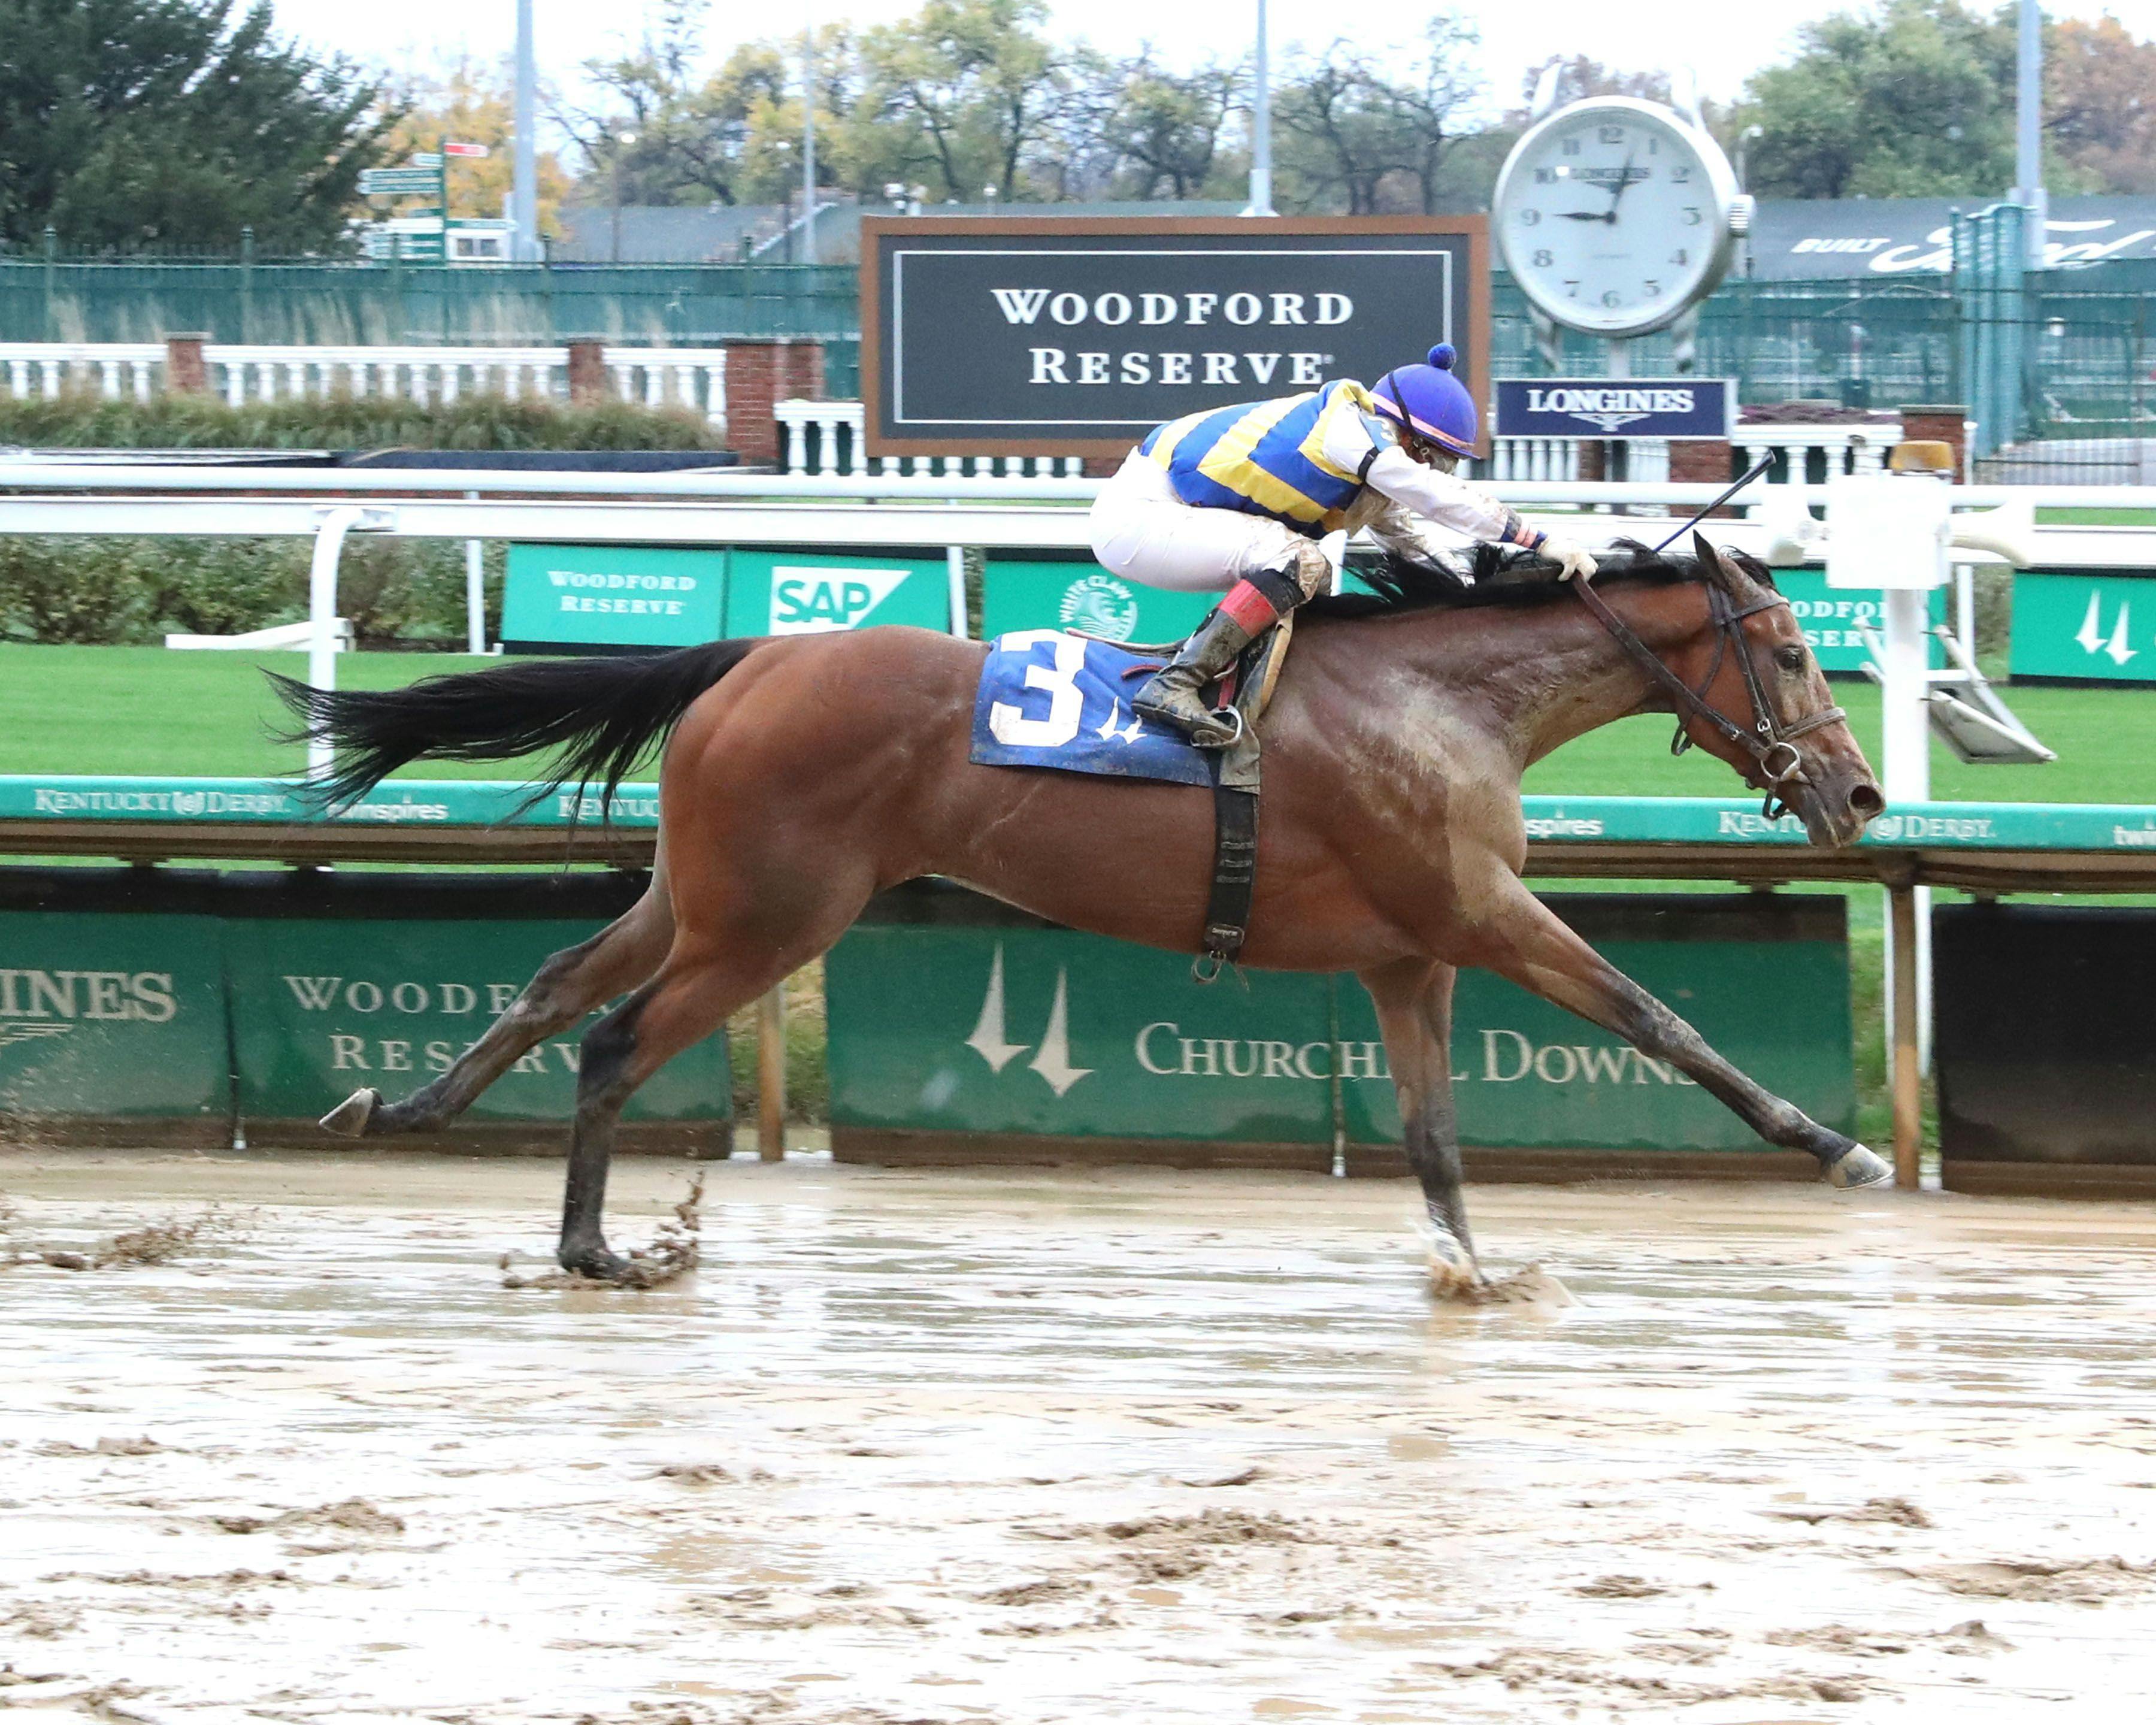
(1771, 744)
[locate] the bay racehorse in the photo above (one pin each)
(804, 774)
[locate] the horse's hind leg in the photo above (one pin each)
(706, 976)
(627, 951)
(1413, 1000)
(1527, 943)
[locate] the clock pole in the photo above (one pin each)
(1616, 452)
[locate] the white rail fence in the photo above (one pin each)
(820, 437)
(825, 437)
(691, 377)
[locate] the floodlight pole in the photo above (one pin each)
(1261, 129)
(807, 143)
(2029, 131)
(524, 192)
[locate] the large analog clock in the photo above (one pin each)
(1615, 215)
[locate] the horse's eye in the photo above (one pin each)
(1791, 659)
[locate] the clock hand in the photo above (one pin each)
(1581, 215)
(1624, 180)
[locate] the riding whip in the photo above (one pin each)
(1764, 463)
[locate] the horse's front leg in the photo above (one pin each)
(1413, 1000)
(1521, 939)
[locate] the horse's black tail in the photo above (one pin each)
(602, 714)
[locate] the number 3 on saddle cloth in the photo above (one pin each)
(1049, 699)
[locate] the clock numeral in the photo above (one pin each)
(1530, 217)
(1651, 288)
(1572, 291)
(1692, 215)
(1613, 298)
(1543, 260)
(1572, 146)
(1680, 258)
(1613, 134)
(1653, 145)
(1546, 177)
(1680, 176)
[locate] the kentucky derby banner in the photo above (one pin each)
(1076, 335)
(1620, 407)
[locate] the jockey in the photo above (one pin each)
(1236, 499)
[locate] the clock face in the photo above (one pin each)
(1614, 216)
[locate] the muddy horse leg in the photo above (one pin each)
(1527, 943)
(1413, 1000)
(569, 985)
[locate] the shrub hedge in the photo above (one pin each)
(85, 420)
(110, 591)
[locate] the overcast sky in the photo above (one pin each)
(1723, 41)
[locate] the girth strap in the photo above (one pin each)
(1234, 879)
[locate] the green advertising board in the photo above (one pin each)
(1013, 1031)
(321, 1007)
(1039, 1032)
(1834, 619)
(2073, 628)
(1069, 593)
(112, 1016)
(1767, 987)
(803, 593)
(613, 596)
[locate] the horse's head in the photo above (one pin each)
(1778, 726)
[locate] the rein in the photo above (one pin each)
(1769, 742)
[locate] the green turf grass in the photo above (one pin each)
(150, 711)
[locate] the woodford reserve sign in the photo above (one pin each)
(1013, 335)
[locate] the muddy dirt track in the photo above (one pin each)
(1017, 1446)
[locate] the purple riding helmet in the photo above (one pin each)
(1431, 401)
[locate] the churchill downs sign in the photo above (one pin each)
(1012, 336)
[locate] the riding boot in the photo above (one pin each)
(1175, 694)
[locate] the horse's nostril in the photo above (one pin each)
(1867, 802)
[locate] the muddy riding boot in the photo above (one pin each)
(1175, 696)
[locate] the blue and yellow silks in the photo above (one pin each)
(1265, 457)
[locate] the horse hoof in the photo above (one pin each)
(1453, 1271)
(1857, 1168)
(595, 1262)
(349, 1118)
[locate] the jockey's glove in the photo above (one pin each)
(1571, 558)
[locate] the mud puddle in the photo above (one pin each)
(1023, 1447)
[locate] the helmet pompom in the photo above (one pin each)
(1443, 355)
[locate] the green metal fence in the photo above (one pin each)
(2057, 358)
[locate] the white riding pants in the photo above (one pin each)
(1142, 530)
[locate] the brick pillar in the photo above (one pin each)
(588, 381)
(1942, 424)
(759, 376)
(185, 372)
(802, 366)
(1701, 461)
(1593, 462)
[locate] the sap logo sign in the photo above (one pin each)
(812, 601)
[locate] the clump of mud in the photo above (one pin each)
(674, 1251)
(1892, 1511)
(2086, 1583)
(156, 1243)
(354, 1514)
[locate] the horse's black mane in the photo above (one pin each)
(1504, 575)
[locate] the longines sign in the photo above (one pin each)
(1077, 336)
(1621, 408)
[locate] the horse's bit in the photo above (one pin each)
(1770, 743)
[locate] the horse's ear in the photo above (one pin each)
(1712, 566)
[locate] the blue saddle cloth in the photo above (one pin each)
(1049, 699)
